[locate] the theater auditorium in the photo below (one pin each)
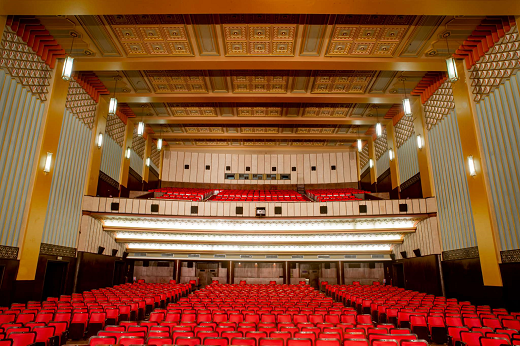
(260, 173)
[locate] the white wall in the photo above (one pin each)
(261, 163)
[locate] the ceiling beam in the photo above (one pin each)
(271, 136)
(259, 63)
(257, 98)
(396, 7)
(262, 120)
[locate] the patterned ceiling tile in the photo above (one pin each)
(347, 82)
(213, 143)
(150, 35)
(192, 110)
(203, 129)
(368, 35)
(259, 39)
(260, 130)
(259, 81)
(177, 82)
(333, 110)
(253, 111)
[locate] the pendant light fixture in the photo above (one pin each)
(159, 140)
(407, 107)
(359, 142)
(66, 73)
(451, 68)
(112, 107)
(140, 126)
(379, 127)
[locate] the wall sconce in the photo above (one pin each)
(471, 165)
(48, 162)
(391, 154)
(371, 163)
(159, 144)
(127, 153)
(99, 140)
(420, 141)
(148, 162)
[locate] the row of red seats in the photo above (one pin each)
(183, 193)
(259, 195)
(52, 322)
(438, 319)
(345, 194)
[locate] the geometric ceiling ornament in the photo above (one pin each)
(170, 82)
(342, 82)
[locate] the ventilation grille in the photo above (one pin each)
(350, 256)
(297, 256)
(193, 255)
(140, 254)
(378, 256)
(323, 256)
(246, 256)
(166, 255)
(219, 256)
(271, 256)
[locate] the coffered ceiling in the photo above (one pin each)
(259, 79)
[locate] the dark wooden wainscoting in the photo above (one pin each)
(419, 274)
(96, 271)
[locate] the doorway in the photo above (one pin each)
(398, 275)
(119, 267)
(55, 275)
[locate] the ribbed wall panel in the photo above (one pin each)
(68, 183)
(454, 208)
(408, 162)
(383, 164)
(111, 158)
(21, 119)
(426, 238)
(136, 163)
(499, 123)
(92, 236)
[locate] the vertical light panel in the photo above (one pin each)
(136, 163)
(21, 116)
(92, 236)
(408, 163)
(111, 158)
(383, 163)
(426, 238)
(68, 183)
(498, 120)
(454, 208)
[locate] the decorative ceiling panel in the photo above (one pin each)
(260, 82)
(331, 110)
(151, 35)
(371, 36)
(193, 110)
(177, 82)
(204, 129)
(259, 111)
(259, 39)
(342, 82)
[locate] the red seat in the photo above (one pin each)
(471, 338)
(215, 341)
(385, 342)
(102, 340)
(271, 342)
(187, 340)
(22, 338)
(494, 341)
(356, 342)
(243, 341)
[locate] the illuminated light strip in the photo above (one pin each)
(258, 238)
(252, 248)
(258, 226)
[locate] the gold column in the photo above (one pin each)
(478, 187)
(423, 154)
(372, 155)
(147, 154)
(394, 164)
(3, 20)
(125, 163)
(31, 233)
(94, 161)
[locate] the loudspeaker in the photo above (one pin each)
(114, 252)
(100, 250)
(146, 263)
(392, 257)
(190, 264)
(327, 265)
(403, 208)
(417, 252)
(125, 255)
(403, 254)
